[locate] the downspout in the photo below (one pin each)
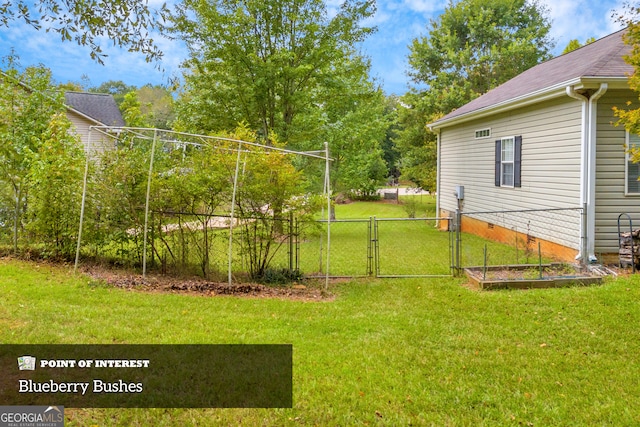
(584, 154)
(588, 169)
(438, 179)
(591, 196)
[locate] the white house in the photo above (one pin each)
(546, 140)
(92, 109)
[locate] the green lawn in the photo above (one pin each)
(405, 247)
(426, 207)
(383, 352)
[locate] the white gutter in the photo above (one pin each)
(588, 140)
(554, 91)
(584, 155)
(591, 197)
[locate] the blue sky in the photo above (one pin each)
(399, 22)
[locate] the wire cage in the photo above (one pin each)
(169, 198)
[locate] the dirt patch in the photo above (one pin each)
(309, 290)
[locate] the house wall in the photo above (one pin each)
(551, 138)
(610, 176)
(98, 142)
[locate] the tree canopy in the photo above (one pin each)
(286, 69)
(575, 44)
(126, 22)
(630, 117)
(262, 62)
(474, 46)
(39, 159)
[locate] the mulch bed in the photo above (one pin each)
(309, 290)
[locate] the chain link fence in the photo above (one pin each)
(208, 245)
(412, 248)
(527, 234)
(380, 247)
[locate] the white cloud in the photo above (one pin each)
(580, 20)
(424, 6)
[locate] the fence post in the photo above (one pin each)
(297, 244)
(146, 205)
(291, 242)
(84, 198)
(370, 247)
(458, 224)
(376, 246)
(450, 232)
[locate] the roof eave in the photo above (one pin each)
(555, 91)
(98, 122)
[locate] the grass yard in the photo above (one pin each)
(383, 352)
(405, 247)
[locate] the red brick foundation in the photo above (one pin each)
(509, 237)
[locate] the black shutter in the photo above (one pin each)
(633, 174)
(517, 161)
(498, 161)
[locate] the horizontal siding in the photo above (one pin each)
(550, 165)
(610, 174)
(99, 143)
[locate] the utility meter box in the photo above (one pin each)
(460, 192)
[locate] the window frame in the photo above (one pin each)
(511, 140)
(516, 142)
(627, 162)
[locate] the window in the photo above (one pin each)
(508, 161)
(483, 133)
(506, 173)
(632, 185)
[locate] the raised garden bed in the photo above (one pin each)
(554, 275)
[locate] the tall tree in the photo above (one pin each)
(629, 117)
(132, 111)
(354, 124)
(415, 144)
(157, 103)
(391, 154)
(126, 22)
(56, 175)
(575, 44)
(28, 100)
(474, 46)
(289, 69)
(116, 88)
(263, 61)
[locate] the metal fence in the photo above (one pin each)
(526, 234)
(378, 247)
(372, 247)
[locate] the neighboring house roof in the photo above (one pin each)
(99, 107)
(600, 61)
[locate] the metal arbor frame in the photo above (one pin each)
(161, 136)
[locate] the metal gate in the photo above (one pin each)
(412, 247)
(378, 247)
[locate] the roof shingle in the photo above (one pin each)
(602, 58)
(99, 106)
